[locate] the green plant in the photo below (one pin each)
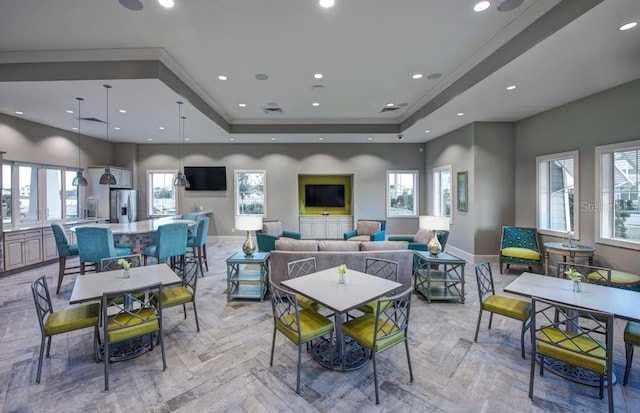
(124, 263)
(573, 274)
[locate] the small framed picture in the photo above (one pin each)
(463, 188)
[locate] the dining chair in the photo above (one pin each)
(299, 268)
(65, 250)
(110, 264)
(171, 242)
(382, 268)
(58, 322)
(131, 314)
(198, 243)
(590, 273)
(298, 325)
(631, 339)
(186, 292)
(382, 330)
(563, 339)
(499, 304)
(96, 243)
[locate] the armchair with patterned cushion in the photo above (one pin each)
(367, 230)
(272, 231)
(520, 246)
(421, 238)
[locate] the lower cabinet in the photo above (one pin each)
(23, 248)
(325, 226)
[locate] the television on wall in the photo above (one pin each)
(324, 195)
(206, 178)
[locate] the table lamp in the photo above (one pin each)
(434, 224)
(248, 223)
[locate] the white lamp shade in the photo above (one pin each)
(248, 222)
(434, 223)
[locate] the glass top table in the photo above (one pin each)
(438, 277)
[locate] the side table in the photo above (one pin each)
(247, 275)
(565, 250)
(438, 277)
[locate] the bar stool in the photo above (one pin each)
(64, 250)
(198, 243)
(171, 242)
(96, 243)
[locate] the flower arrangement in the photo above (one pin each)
(124, 263)
(573, 274)
(342, 269)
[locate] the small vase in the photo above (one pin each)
(577, 286)
(340, 278)
(125, 273)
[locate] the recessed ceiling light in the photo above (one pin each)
(161, 127)
(19, 112)
(461, 114)
(273, 139)
(327, 3)
(74, 128)
(417, 76)
(149, 139)
(318, 76)
(70, 111)
(390, 104)
(242, 105)
(481, 6)
(186, 139)
(427, 131)
(167, 4)
(321, 138)
(231, 139)
(627, 26)
(511, 87)
(369, 138)
(262, 76)
(222, 77)
(315, 104)
(434, 76)
(117, 128)
(123, 111)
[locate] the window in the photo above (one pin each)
(442, 191)
(28, 195)
(557, 189)
(53, 193)
(7, 199)
(162, 193)
(71, 205)
(402, 193)
(250, 189)
(617, 185)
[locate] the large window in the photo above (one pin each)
(53, 193)
(162, 193)
(442, 191)
(28, 195)
(250, 190)
(7, 199)
(557, 183)
(71, 206)
(402, 194)
(617, 185)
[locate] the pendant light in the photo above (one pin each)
(180, 179)
(79, 180)
(107, 178)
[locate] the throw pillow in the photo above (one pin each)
(274, 228)
(367, 227)
(286, 244)
(383, 245)
(338, 246)
(423, 236)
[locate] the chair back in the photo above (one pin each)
(392, 321)
(202, 232)
(171, 240)
(519, 237)
(590, 273)
(111, 263)
(382, 268)
(484, 278)
(94, 244)
(301, 267)
(62, 243)
(42, 300)
(189, 274)
(191, 216)
(285, 312)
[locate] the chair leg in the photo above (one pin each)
(273, 345)
(601, 393)
(82, 266)
(106, 364)
(40, 359)
(161, 340)
(406, 345)
(524, 330)
(198, 254)
(184, 309)
(627, 368)
(501, 267)
(62, 262)
(195, 314)
(490, 320)
(475, 339)
(532, 372)
(204, 254)
(299, 362)
(375, 375)
(48, 346)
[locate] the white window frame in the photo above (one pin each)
(605, 208)
(438, 200)
(150, 198)
(240, 172)
(543, 208)
(391, 178)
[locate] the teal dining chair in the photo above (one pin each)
(198, 243)
(65, 250)
(95, 244)
(171, 242)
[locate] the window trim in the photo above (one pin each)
(150, 192)
(236, 174)
(437, 196)
(412, 172)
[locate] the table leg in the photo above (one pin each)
(546, 263)
(349, 352)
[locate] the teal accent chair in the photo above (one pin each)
(198, 243)
(96, 243)
(367, 230)
(171, 242)
(65, 250)
(419, 241)
(270, 233)
(191, 216)
(520, 246)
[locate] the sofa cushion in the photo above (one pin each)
(367, 227)
(383, 245)
(288, 244)
(423, 236)
(359, 239)
(338, 246)
(274, 228)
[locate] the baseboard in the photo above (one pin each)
(470, 258)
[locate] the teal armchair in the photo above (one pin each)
(270, 233)
(367, 230)
(419, 241)
(520, 246)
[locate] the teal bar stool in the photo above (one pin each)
(65, 250)
(198, 243)
(96, 243)
(171, 242)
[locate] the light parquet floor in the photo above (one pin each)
(225, 367)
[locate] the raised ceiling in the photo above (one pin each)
(554, 51)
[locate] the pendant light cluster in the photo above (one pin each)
(107, 177)
(79, 180)
(180, 179)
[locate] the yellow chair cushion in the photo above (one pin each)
(632, 333)
(598, 276)
(621, 277)
(176, 296)
(372, 306)
(523, 253)
(312, 325)
(363, 328)
(71, 319)
(307, 303)
(507, 306)
(136, 326)
(582, 343)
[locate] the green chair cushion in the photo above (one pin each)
(372, 306)
(312, 325)
(135, 326)
(307, 303)
(632, 333)
(73, 318)
(598, 276)
(621, 277)
(176, 296)
(507, 306)
(524, 253)
(363, 328)
(582, 343)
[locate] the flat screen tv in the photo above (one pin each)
(324, 195)
(206, 178)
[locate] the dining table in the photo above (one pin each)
(324, 288)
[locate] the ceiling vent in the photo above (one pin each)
(272, 111)
(389, 109)
(96, 120)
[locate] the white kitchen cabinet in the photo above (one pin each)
(325, 226)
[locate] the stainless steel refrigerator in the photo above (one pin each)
(123, 206)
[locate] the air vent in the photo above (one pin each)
(96, 120)
(389, 109)
(272, 111)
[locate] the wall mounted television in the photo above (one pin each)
(206, 178)
(323, 195)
